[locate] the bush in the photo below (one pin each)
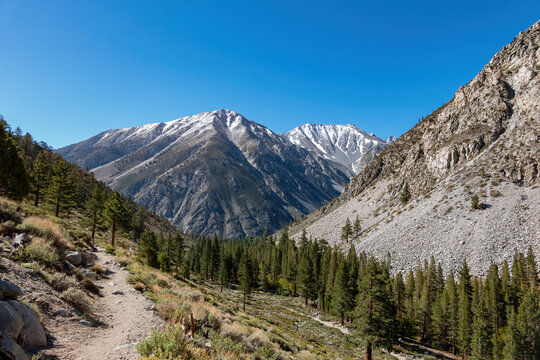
(495, 193)
(61, 282)
(169, 344)
(110, 249)
(99, 269)
(78, 299)
(42, 252)
(139, 286)
(91, 286)
(475, 203)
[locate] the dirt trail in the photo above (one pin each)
(125, 319)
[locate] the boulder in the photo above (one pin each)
(74, 258)
(11, 322)
(9, 349)
(32, 333)
(10, 290)
(20, 240)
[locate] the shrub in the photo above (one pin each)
(139, 286)
(42, 252)
(99, 269)
(91, 286)
(110, 249)
(168, 344)
(495, 193)
(475, 202)
(78, 299)
(61, 282)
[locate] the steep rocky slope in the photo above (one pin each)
(214, 172)
(485, 141)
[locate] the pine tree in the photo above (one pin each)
(245, 277)
(148, 247)
(405, 194)
(60, 191)
(306, 277)
(40, 175)
(482, 330)
(375, 310)
(346, 231)
(357, 228)
(14, 182)
(117, 214)
(94, 208)
(464, 310)
(340, 295)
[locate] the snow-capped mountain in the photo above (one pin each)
(216, 172)
(344, 144)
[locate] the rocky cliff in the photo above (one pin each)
(484, 142)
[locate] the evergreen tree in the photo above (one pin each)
(346, 231)
(375, 310)
(148, 247)
(94, 208)
(117, 214)
(138, 223)
(357, 228)
(482, 330)
(306, 277)
(405, 194)
(40, 175)
(464, 310)
(245, 277)
(61, 189)
(14, 182)
(340, 295)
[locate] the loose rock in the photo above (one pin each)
(11, 323)
(9, 348)
(10, 290)
(75, 258)
(32, 333)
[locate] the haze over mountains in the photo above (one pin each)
(485, 142)
(217, 172)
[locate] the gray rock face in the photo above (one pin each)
(11, 322)
(75, 258)
(214, 172)
(9, 290)
(32, 333)
(9, 349)
(484, 141)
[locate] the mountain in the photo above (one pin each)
(215, 172)
(344, 144)
(483, 142)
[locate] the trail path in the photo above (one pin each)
(125, 319)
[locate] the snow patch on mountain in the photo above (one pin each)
(343, 144)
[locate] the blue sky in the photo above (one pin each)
(71, 69)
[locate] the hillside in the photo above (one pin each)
(263, 182)
(484, 141)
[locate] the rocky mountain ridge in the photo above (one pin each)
(344, 144)
(215, 172)
(484, 142)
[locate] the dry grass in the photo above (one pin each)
(99, 269)
(139, 286)
(78, 299)
(62, 282)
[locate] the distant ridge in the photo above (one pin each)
(219, 173)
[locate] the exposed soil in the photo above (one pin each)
(122, 321)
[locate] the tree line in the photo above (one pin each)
(492, 317)
(31, 171)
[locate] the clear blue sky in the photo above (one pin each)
(70, 69)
